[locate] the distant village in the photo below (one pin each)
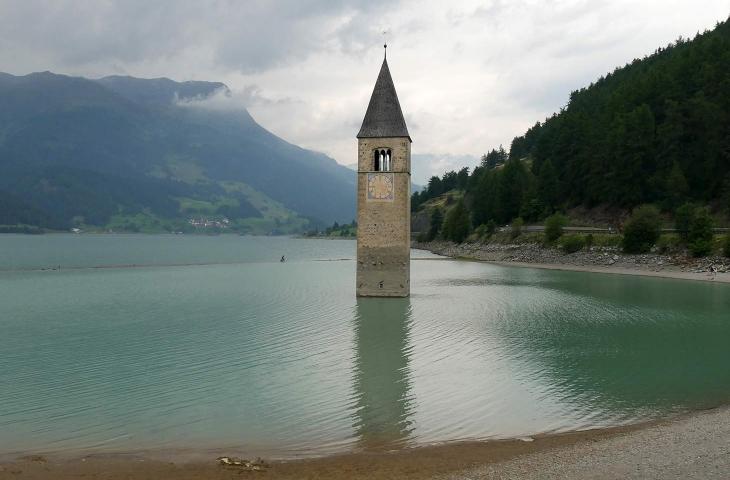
(202, 222)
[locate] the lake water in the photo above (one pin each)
(210, 343)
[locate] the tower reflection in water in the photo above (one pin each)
(382, 376)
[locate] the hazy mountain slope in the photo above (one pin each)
(73, 147)
(14, 211)
(161, 91)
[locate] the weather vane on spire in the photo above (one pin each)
(385, 43)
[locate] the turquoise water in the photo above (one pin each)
(210, 344)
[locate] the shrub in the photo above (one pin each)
(491, 227)
(554, 225)
(683, 218)
(457, 224)
(642, 229)
(481, 231)
(534, 237)
(589, 240)
(668, 243)
(437, 219)
(726, 247)
(607, 240)
(572, 243)
(701, 233)
(484, 232)
(516, 229)
(700, 248)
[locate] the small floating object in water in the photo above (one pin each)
(257, 465)
(283, 259)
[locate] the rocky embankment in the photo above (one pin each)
(608, 258)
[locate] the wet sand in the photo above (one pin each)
(695, 445)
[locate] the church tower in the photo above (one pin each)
(384, 195)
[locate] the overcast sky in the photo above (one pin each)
(470, 75)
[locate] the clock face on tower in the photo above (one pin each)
(380, 187)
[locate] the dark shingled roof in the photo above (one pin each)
(384, 117)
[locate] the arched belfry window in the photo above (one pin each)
(382, 160)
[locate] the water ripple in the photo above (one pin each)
(281, 358)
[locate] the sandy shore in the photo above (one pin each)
(695, 445)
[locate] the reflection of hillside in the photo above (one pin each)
(381, 377)
(652, 344)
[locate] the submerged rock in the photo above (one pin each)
(257, 465)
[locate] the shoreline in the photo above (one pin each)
(676, 275)
(607, 261)
(565, 453)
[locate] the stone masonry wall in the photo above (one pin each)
(383, 243)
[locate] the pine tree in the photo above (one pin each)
(457, 225)
(547, 185)
(677, 187)
(437, 219)
(725, 198)
(683, 218)
(462, 178)
(701, 233)
(513, 184)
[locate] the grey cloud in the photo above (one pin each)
(226, 99)
(253, 95)
(426, 165)
(77, 33)
(357, 36)
(469, 77)
(243, 36)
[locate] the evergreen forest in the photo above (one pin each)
(656, 131)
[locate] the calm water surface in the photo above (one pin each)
(211, 343)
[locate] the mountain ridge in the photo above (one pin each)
(65, 141)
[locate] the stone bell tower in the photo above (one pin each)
(384, 195)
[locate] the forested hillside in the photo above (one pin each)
(123, 153)
(654, 131)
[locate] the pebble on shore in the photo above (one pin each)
(594, 256)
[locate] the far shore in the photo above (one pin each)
(692, 443)
(666, 273)
(711, 269)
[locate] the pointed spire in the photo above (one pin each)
(384, 117)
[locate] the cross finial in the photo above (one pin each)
(385, 43)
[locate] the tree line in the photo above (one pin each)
(656, 131)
